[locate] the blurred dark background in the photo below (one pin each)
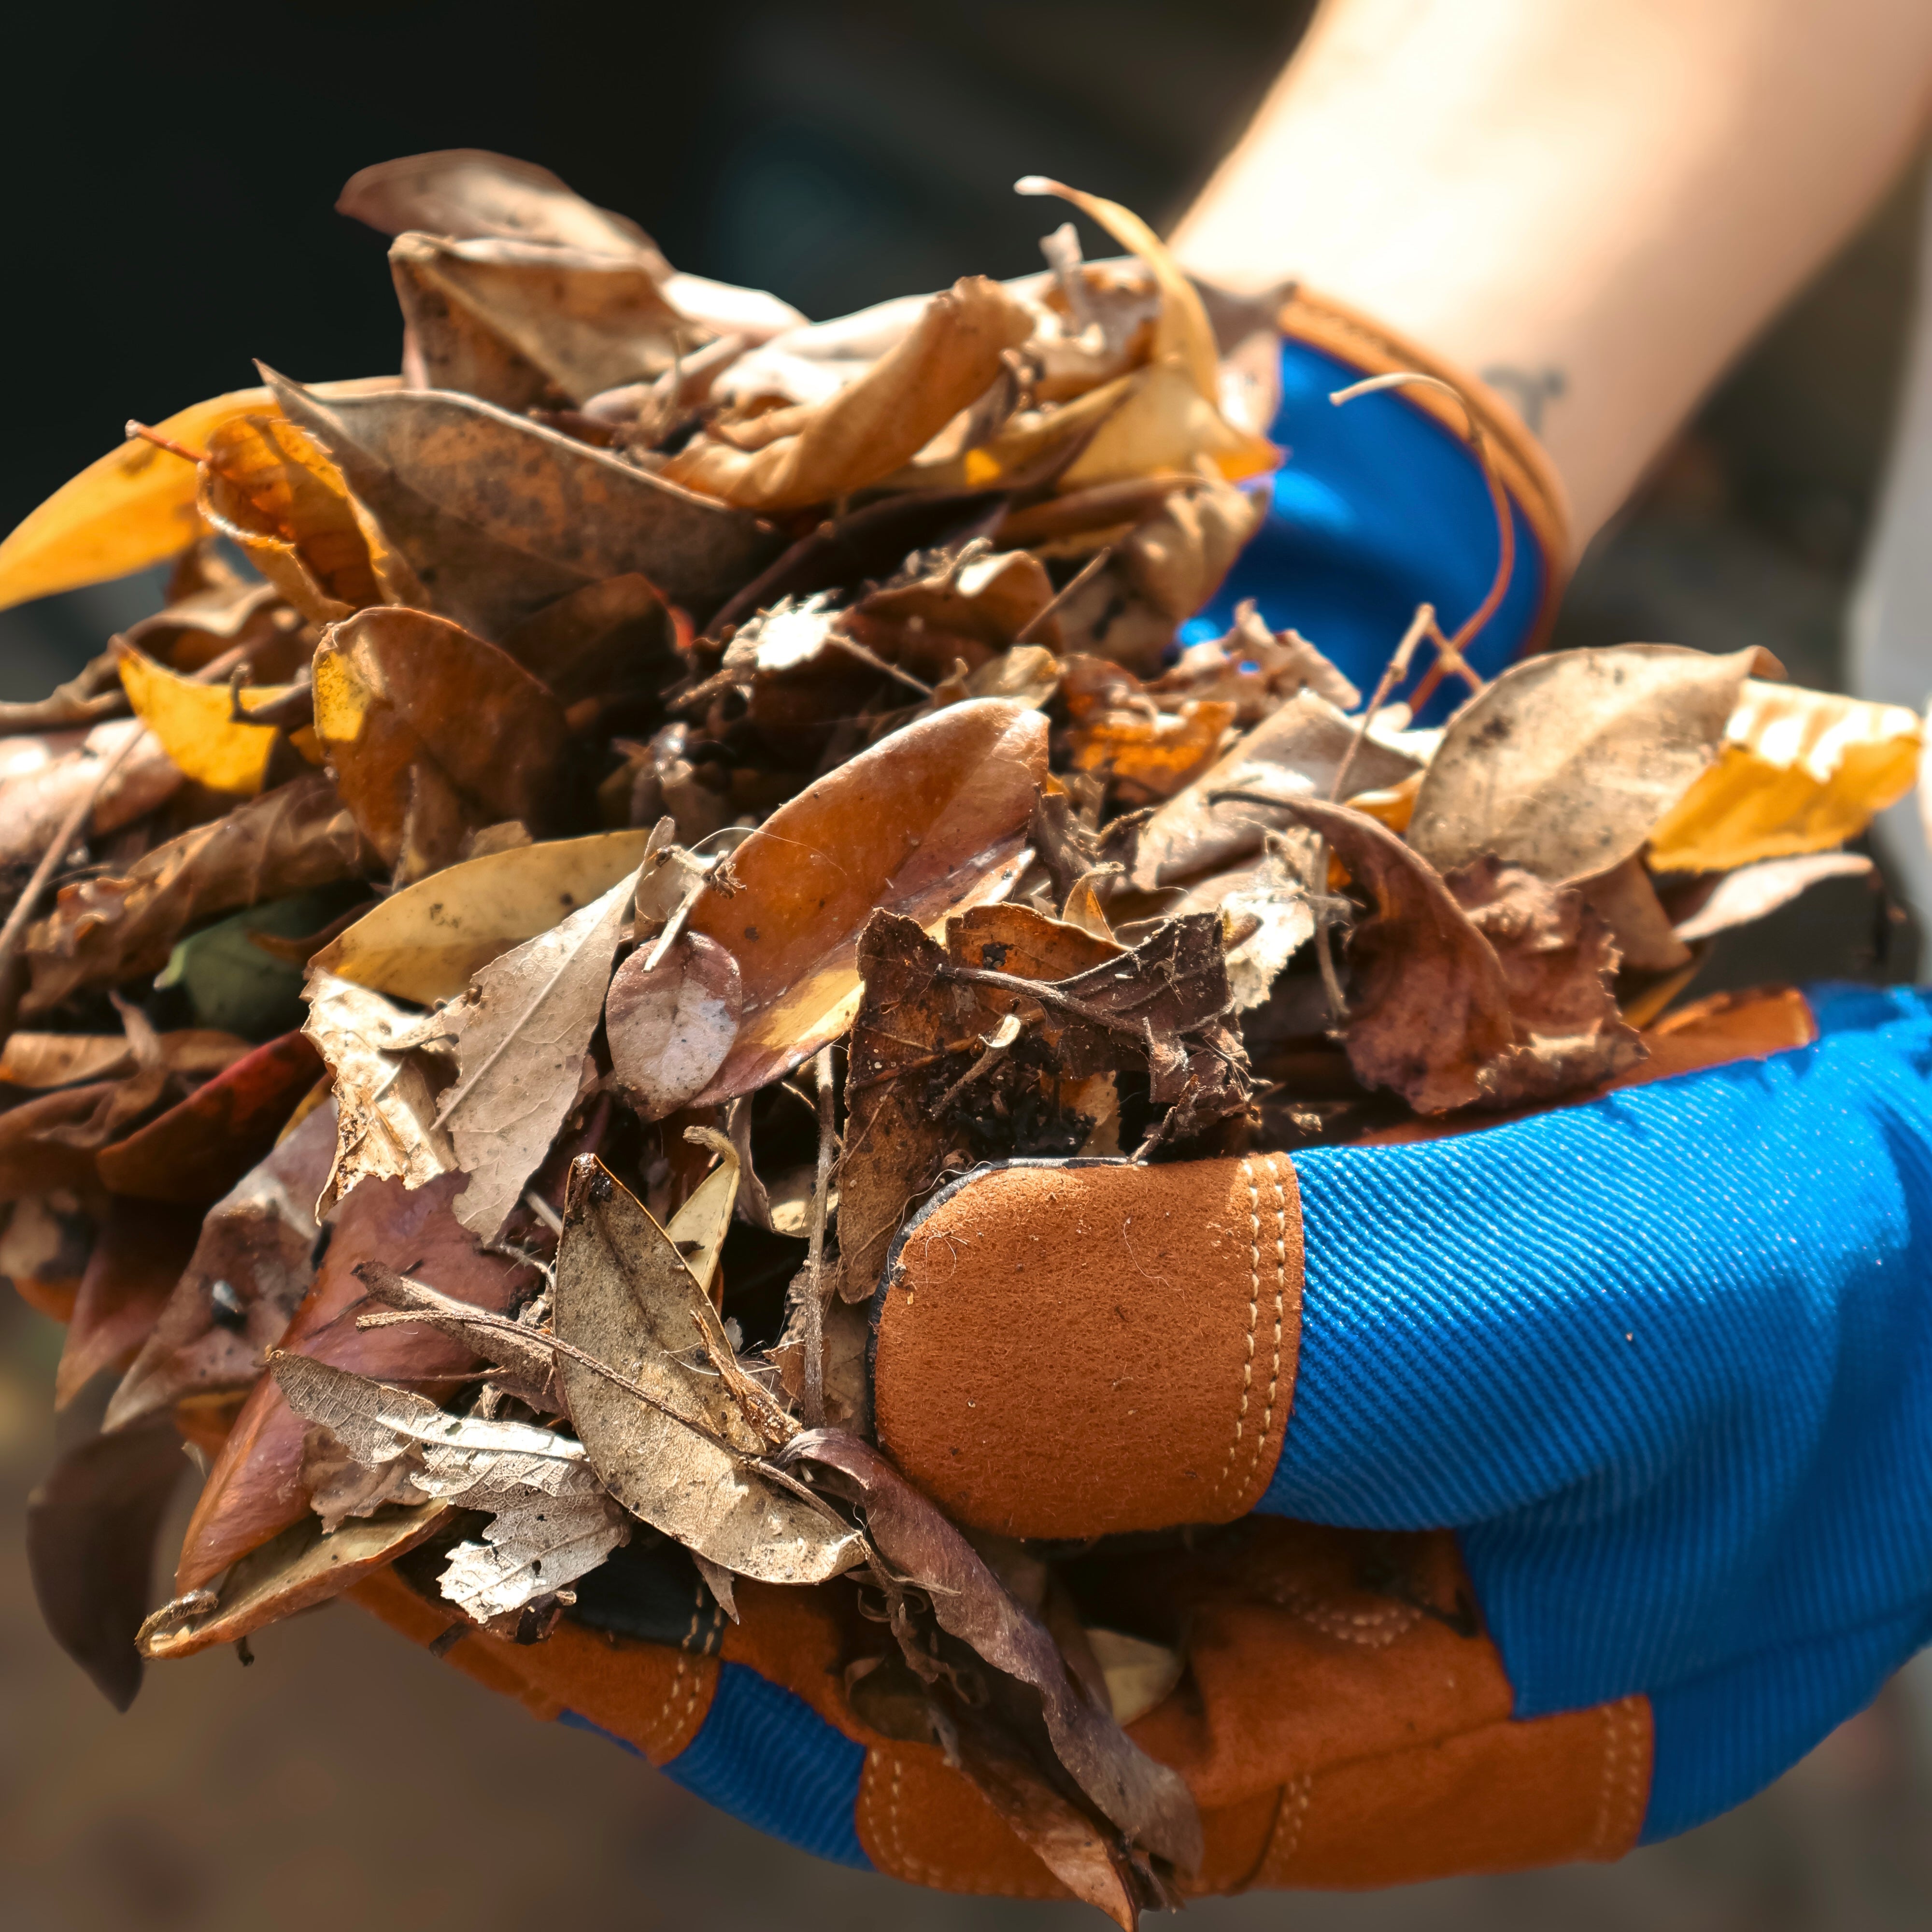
(174, 171)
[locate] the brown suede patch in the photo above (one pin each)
(1069, 1352)
(650, 1695)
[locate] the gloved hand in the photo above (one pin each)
(1570, 1469)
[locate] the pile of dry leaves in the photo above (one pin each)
(607, 822)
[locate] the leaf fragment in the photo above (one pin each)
(670, 1022)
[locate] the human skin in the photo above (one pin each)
(1595, 203)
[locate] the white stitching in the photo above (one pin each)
(1254, 1316)
(1295, 1796)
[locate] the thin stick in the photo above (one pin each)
(1498, 501)
(1086, 574)
(821, 1194)
(167, 442)
(64, 834)
(1393, 672)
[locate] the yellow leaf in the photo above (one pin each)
(134, 507)
(196, 724)
(1800, 771)
(1164, 424)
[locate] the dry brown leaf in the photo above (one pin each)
(519, 323)
(670, 1023)
(293, 1570)
(91, 1529)
(251, 1266)
(1627, 901)
(926, 823)
(685, 1453)
(385, 1096)
(1559, 962)
(107, 929)
(614, 635)
(43, 778)
(1122, 735)
(874, 423)
(252, 1492)
(44, 1059)
(1254, 669)
(138, 1256)
(1294, 754)
(266, 486)
(404, 699)
(1567, 763)
(425, 943)
(499, 517)
(1146, 1800)
(522, 1033)
(526, 1364)
(1429, 1007)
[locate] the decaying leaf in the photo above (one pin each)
(386, 1102)
(521, 1033)
(111, 928)
(687, 1454)
(928, 823)
(552, 1521)
(251, 1266)
(138, 1256)
(252, 1492)
(671, 1021)
(1568, 763)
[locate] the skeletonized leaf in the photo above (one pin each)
(926, 823)
(1752, 891)
(1799, 771)
(1146, 1800)
(522, 1033)
(425, 943)
(670, 1024)
(624, 1297)
(386, 1106)
(499, 517)
(134, 506)
(1567, 763)
(536, 1541)
(107, 929)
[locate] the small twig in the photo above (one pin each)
(1393, 672)
(167, 442)
(1084, 576)
(814, 1337)
(1498, 499)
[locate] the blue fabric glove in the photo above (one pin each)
(1665, 1361)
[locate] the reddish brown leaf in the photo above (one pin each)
(199, 1149)
(253, 1491)
(138, 1257)
(250, 1270)
(91, 1530)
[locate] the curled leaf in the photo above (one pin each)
(1752, 891)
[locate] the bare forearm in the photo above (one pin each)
(1615, 192)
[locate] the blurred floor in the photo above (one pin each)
(347, 1779)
